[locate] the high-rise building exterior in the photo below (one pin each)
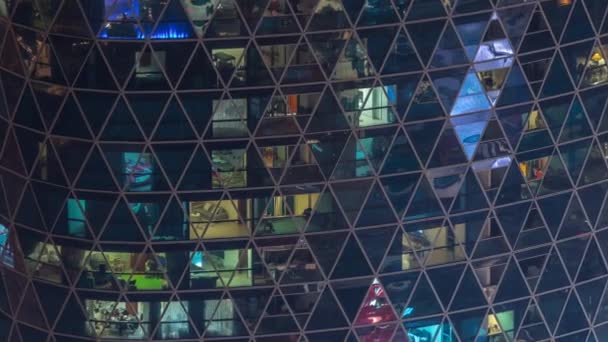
(303, 170)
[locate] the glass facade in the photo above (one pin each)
(304, 170)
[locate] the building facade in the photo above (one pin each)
(303, 170)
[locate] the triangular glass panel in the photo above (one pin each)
(327, 50)
(423, 137)
(49, 99)
(252, 304)
(27, 113)
(96, 107)
(400, 255)
(514, 121)
(573, 317)
(327, 247)
(174, 124)
(592, 199)
(375, 243)
(353, 62)
(351, 195)
(173, 24)
(116, 54)
(148, 73)
(553, 208)
(121, 126)
(577, 58)
(70, 121)
(515, 20)
(469, 293)
(469, 130)
(147, 109)
(592, 265)
(470, 196)
(352, 262)
(401, 57)
(424, 203)
(326, 214)
(557, 80)
(471, 98)
(594, 101)
(425, 103)
(596, 66)
(400, 189)
(468, 324)
(551, 305)
(512, 284)
(95, 173)
(579, 26)
(201, 73)
(172, 225)
(375, 307)
(327, 313)
(449, 51)
(73, 311)
(512, 219)
(533, 325)
(352, 162)
(455, 85)
(472, 227)
(71, 12)
(423, 301)
(400, 157)
(31, 145)
(574, 155)
(591, 294)
(256, 73)
(10, 58)
(302, 67)
(122, 226)
(470, 29)
(443, 280)
(174, 158)
(576, 125)
(277, 318)
(425, 34)
(555, 178)
(95, 74)
(572, 252)
(515, 88)
(378, 41)
(448, 150)
(557, 17)
(596, 10)
(555, 111)
(87, 212)
(377, 210)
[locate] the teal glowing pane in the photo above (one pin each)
(416, 332)
(3, 237)
(76, 219)
(138, 170)
(197, 259)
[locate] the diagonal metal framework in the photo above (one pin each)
(303, 170)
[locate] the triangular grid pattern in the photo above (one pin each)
(304, 170)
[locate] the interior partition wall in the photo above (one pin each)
(303, 170)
